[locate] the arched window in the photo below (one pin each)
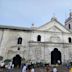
(19, 40)
(69, 39)
(38, 38)
(69, 26)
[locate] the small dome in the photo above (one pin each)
(53, 18)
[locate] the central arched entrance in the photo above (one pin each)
(55, 56)
(17, 60)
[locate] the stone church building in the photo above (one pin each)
(48, 43)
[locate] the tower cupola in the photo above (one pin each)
(68, 22)
(70, 14)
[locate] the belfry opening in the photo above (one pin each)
(56, 56)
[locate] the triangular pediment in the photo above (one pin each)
(53, 26)
(54, 29)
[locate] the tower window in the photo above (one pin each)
(38, 38)
(69, 26)
(69, 39)
(19, 40)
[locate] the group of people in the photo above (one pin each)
(48, 69)
(30, 68)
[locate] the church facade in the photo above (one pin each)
(48, 43)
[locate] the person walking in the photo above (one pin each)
(24, 68)
(32, 69)
(70, 69)
(55, 69)
(47, 68)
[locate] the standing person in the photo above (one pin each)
(32, 69)
(9, 68)
(70, 69)
(29, 68)
(24, 68)
(55, 69)
(47, 68)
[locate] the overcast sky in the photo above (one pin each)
(25, 12)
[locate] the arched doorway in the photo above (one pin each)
(55, 56)
(17, 60)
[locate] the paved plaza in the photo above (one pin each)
(60, 69)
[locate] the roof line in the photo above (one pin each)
(14, 27)
(51, 21)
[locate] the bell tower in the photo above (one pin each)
(68, 22)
